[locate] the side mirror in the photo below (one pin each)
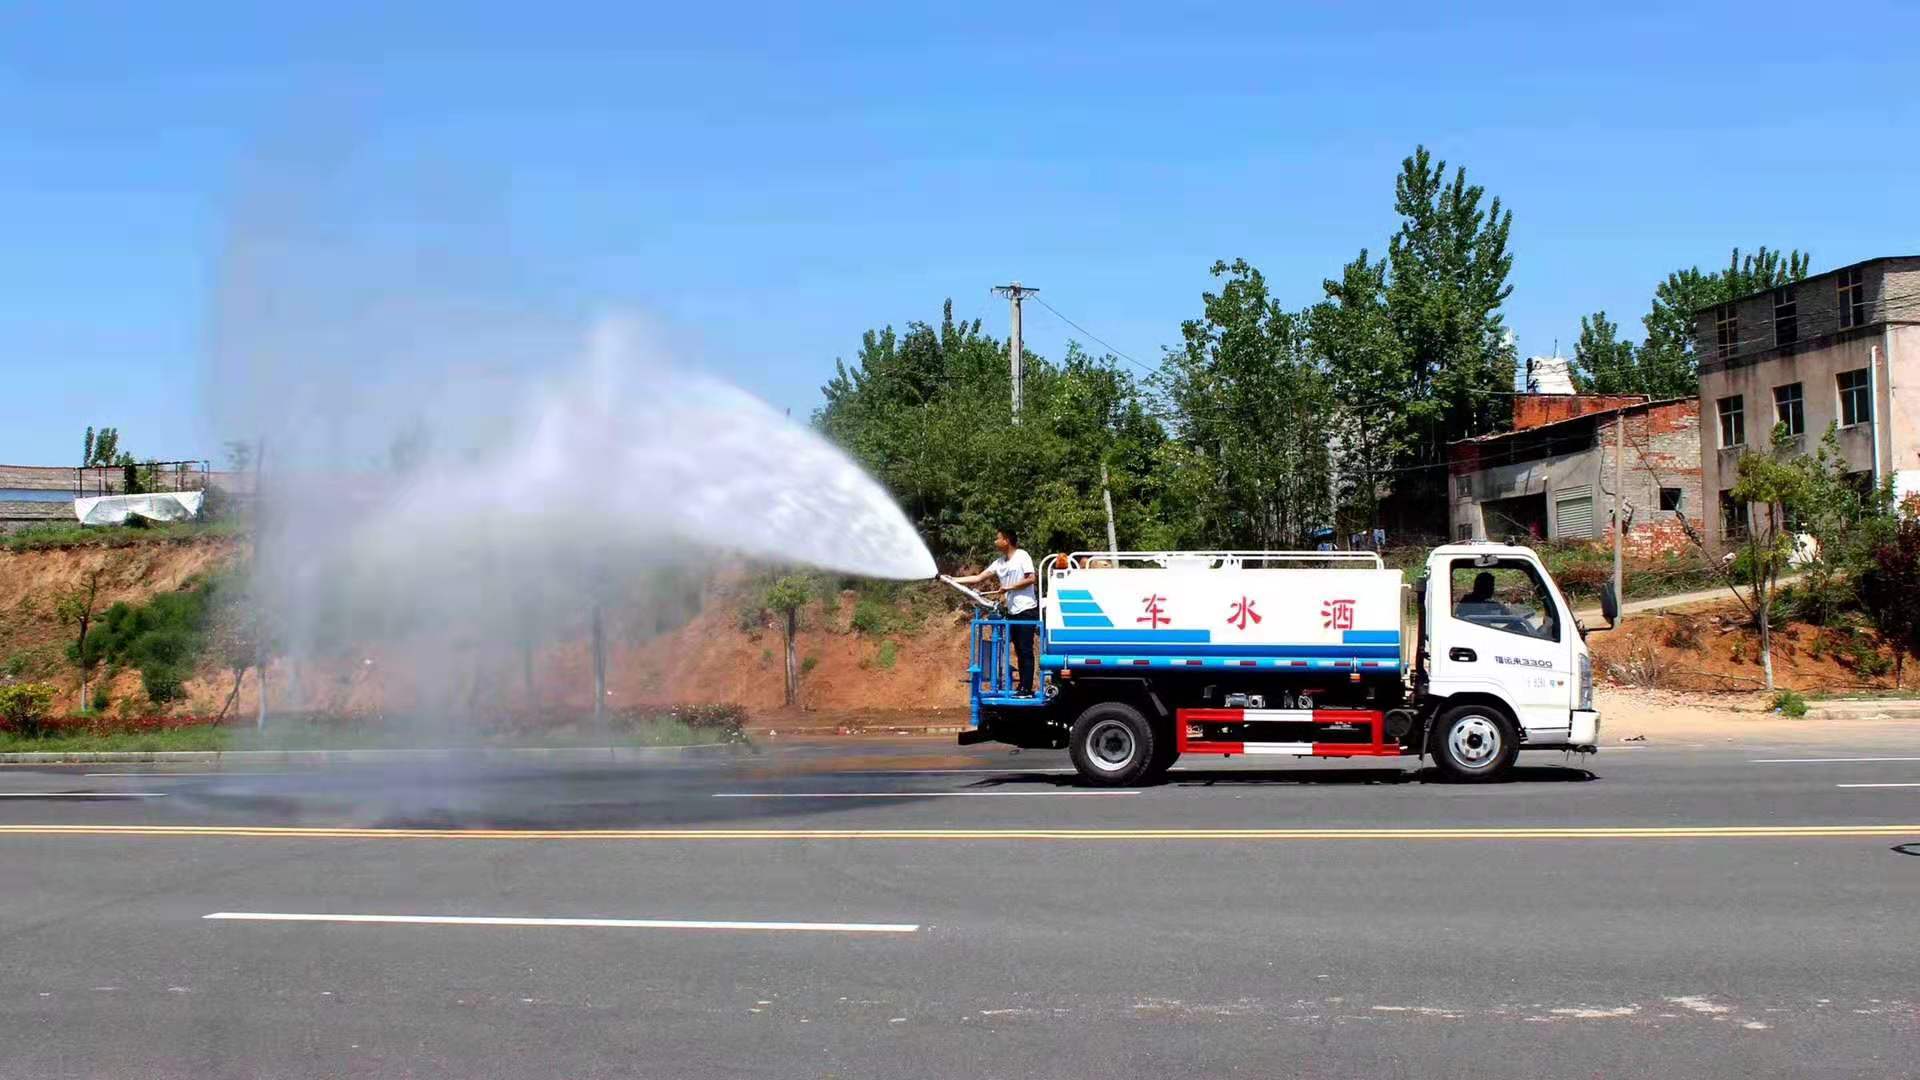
(1610, 604)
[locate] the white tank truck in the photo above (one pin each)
(1145, 656)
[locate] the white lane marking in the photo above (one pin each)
(83, 794)
(1820, 760)
(897, 794)
(621, 924)
(1876, 785)
(183, 773)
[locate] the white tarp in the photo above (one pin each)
(116, 509)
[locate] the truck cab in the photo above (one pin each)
(1149, 656)
(1497, 629)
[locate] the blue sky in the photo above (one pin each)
(769, 180)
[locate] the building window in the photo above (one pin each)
(1726, 330)
(1463, 531)
(1733, 518)
(1788, 409)
(1670, 499)
(1786, 317)
(1856, 405)
(1853, 298)
(1733, 422)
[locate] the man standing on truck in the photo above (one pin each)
(1013, 572)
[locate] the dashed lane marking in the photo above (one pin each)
(621, 924)
(1821, 760)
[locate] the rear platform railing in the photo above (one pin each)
(990, 673)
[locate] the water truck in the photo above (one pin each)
(1147, 656)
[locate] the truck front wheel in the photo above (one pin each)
(1473, 743)
(1112, 745)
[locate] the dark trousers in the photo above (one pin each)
(1022, 628)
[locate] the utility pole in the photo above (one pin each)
(1106, 498)
(1619, 497)
(1015, 293)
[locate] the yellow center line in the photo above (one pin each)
(1679, 832)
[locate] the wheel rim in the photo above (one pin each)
(1474, 742)
(1110, 746)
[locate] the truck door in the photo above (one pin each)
(1500, 629)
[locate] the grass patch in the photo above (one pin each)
(1790, 703)
(40, 537)
(194, 737)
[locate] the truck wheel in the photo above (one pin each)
(1112, 745)
(1473, 743)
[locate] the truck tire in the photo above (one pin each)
(1473, 744)
(1112, 745)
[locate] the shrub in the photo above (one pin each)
(807, 665)
(1644, 667)
(163, 683)
(24, 708)
(873, 617)
(1790, 703)
(887, 655)
(102, 700)
(1682, 632)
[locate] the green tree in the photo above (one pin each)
(1448, 266)
(1352, 339)
(1668, 364)
(927, 413)
(786, 597)
(1603, 363)
(1890, 590)
(74, 608)
(24, 708)
(1253, 415)
(1787, 494)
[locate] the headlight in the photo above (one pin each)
(1586, 680)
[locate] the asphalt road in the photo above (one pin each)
(916, 910)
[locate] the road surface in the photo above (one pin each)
(916, 910)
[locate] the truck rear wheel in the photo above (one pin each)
(1473, 743)
(1112, 745)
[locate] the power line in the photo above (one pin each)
(1097, 339)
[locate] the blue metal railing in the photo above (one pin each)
(990, 658)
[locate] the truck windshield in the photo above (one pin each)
(1508, 596)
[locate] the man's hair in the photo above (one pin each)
(1012, 537)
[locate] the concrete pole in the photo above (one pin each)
(1016, 353)
(1106, 499)
(1619, 499)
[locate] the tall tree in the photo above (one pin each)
(1448, 268)
(1353, 339)
(1603, 363)
(74, 608)
(786, 597)
(1253, 417)
(1668, 364)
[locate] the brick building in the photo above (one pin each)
(1551, 477)
(1839, 349)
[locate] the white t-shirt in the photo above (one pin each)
(1009, 570)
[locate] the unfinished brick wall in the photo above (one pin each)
(1534, 410)
(1663, 451)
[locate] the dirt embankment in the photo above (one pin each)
(725, 654)
(33, 644)
(1714, 646)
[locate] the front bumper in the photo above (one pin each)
(1586, 728)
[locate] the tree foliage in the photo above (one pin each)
(1603, 362)
(1665, 365)
(1448, 266)
(927, 412)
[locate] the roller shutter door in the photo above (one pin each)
(1573, 516)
